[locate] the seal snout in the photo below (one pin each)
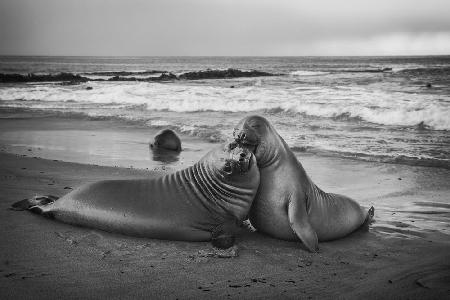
(239, 159)
(246, 138)
(243, 158)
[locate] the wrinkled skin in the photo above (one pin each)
(288, 205)
(204, 202)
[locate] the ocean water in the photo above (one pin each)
(389, 109)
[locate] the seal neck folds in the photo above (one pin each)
(228, 179)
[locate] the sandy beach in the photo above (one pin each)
(402, 256)
(358, 92)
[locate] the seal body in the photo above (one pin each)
(200, 203)
(288, 205)
(166, 139)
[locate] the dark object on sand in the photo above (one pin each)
(223, 242)
(166, 139)
(89, 88)
(429, 86)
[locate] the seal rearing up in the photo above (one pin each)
(200, 203)
(288, 205)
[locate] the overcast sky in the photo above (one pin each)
(224, 27)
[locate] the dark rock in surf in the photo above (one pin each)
(219, 74)
(69, 77)
(165, 76)
(162, 77)
(124, 73)
(422, 126)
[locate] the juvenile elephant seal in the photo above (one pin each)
(166, 139)
(288, 205)
(201, 203)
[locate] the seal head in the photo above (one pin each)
(166, 139)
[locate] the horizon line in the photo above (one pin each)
(341, 55)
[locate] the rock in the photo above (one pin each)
(124, 73)
(166, 76)
(69, 77)
(219, 74)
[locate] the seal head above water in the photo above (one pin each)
(166, 139)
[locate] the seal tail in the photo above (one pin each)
(34, 204)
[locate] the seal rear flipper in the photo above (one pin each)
(33, 204)
(299, 222)
(369, 218)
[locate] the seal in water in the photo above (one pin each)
(166, 139)
(207, 201)
(288, 205)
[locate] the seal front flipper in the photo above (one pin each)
(223, 236)
(299, 222)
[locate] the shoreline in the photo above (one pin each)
(400, 193)
(196, 138)
(42, 258)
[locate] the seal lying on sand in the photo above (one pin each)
(166, 139)
(201, 203)
(288, 205)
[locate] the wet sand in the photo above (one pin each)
(404, 255)
(41, 258)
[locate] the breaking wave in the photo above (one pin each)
(308, 73)
(398, 109)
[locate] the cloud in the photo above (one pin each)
(224, 27)
(418, 43)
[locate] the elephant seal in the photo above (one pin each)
(166, 139)
(288, 205)
(205, 202)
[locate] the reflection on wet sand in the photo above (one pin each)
(164, 156)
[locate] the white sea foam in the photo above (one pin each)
(308, 73)
(388, 108)
(158, 123)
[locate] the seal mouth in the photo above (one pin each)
(239, 161)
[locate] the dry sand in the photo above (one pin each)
(41, 258)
